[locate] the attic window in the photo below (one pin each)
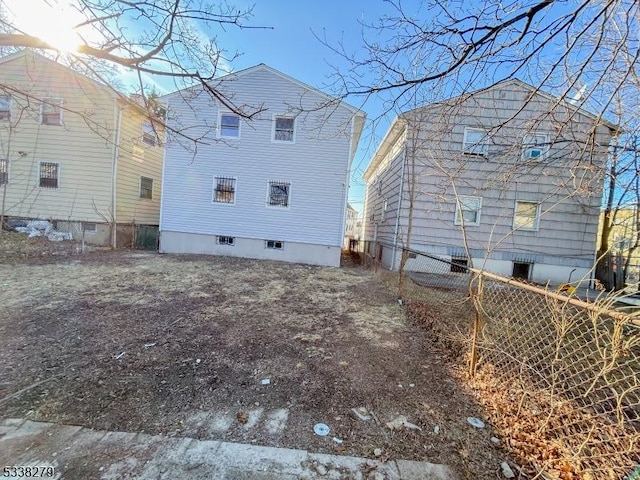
(476, 141)
(5, 108)
(283, 129)
(51, 111)
(229, 125)
(535, 146)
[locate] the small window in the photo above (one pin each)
(459, 264)
(279, 194)
(149, 134)
(229, 125)
(274, 244)
(224, 190)
(384, 211)
(5, 108)
(527, 216)
(146, 187)
(535, 146)
(468, 209)
(224, 240)
(284, 129)
(90, 228)
(476, 141)
(4, 171)
(51, 111)
(49, 175)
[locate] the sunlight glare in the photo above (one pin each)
(49, 20)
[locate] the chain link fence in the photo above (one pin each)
(558, 375)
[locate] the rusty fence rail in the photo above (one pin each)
(561, 374)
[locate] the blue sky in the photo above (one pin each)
(292, 48)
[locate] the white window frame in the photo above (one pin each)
(536, 220)
(383, 216)
(88, 231)
(274, 244)
(222, 113)
(140, 187)
(7, 165)
(226, 240)
(50, 102)
(149, 132)
(273, 129)
(476, 148)
(530, 143)
(215, 188)
(8, 110)
(466, 201)
(279, 182)
(58, 170)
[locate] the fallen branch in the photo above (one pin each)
(20, 392)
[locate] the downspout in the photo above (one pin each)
(117, 115)
(345, 199)
(395, 234)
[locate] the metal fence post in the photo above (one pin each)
(477, 326)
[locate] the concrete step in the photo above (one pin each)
(80, 453)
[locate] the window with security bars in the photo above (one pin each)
(146, 187)
(4, 171)
(224, 190)
(5, 108)
(284, 129)
(51, 111)
(459, 265)
(49, 175)
(279, 194)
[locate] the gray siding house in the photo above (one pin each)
(507, 178)
(272, 187)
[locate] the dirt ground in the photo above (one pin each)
(183, 346)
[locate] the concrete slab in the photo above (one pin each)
(80, 453)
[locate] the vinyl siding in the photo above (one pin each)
(137, 159)
(316, 165)
(82, 146)
(567, 183)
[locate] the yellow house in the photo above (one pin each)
(622, 238)
(75, 152)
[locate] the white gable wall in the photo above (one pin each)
(316, 166)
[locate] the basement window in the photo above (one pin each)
(274, 244)
(459, 264)
(225, 240)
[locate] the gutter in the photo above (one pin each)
(395, 234)
(117, 115)
(346, 185)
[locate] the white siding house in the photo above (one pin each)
(270, 187)
(507, 178)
